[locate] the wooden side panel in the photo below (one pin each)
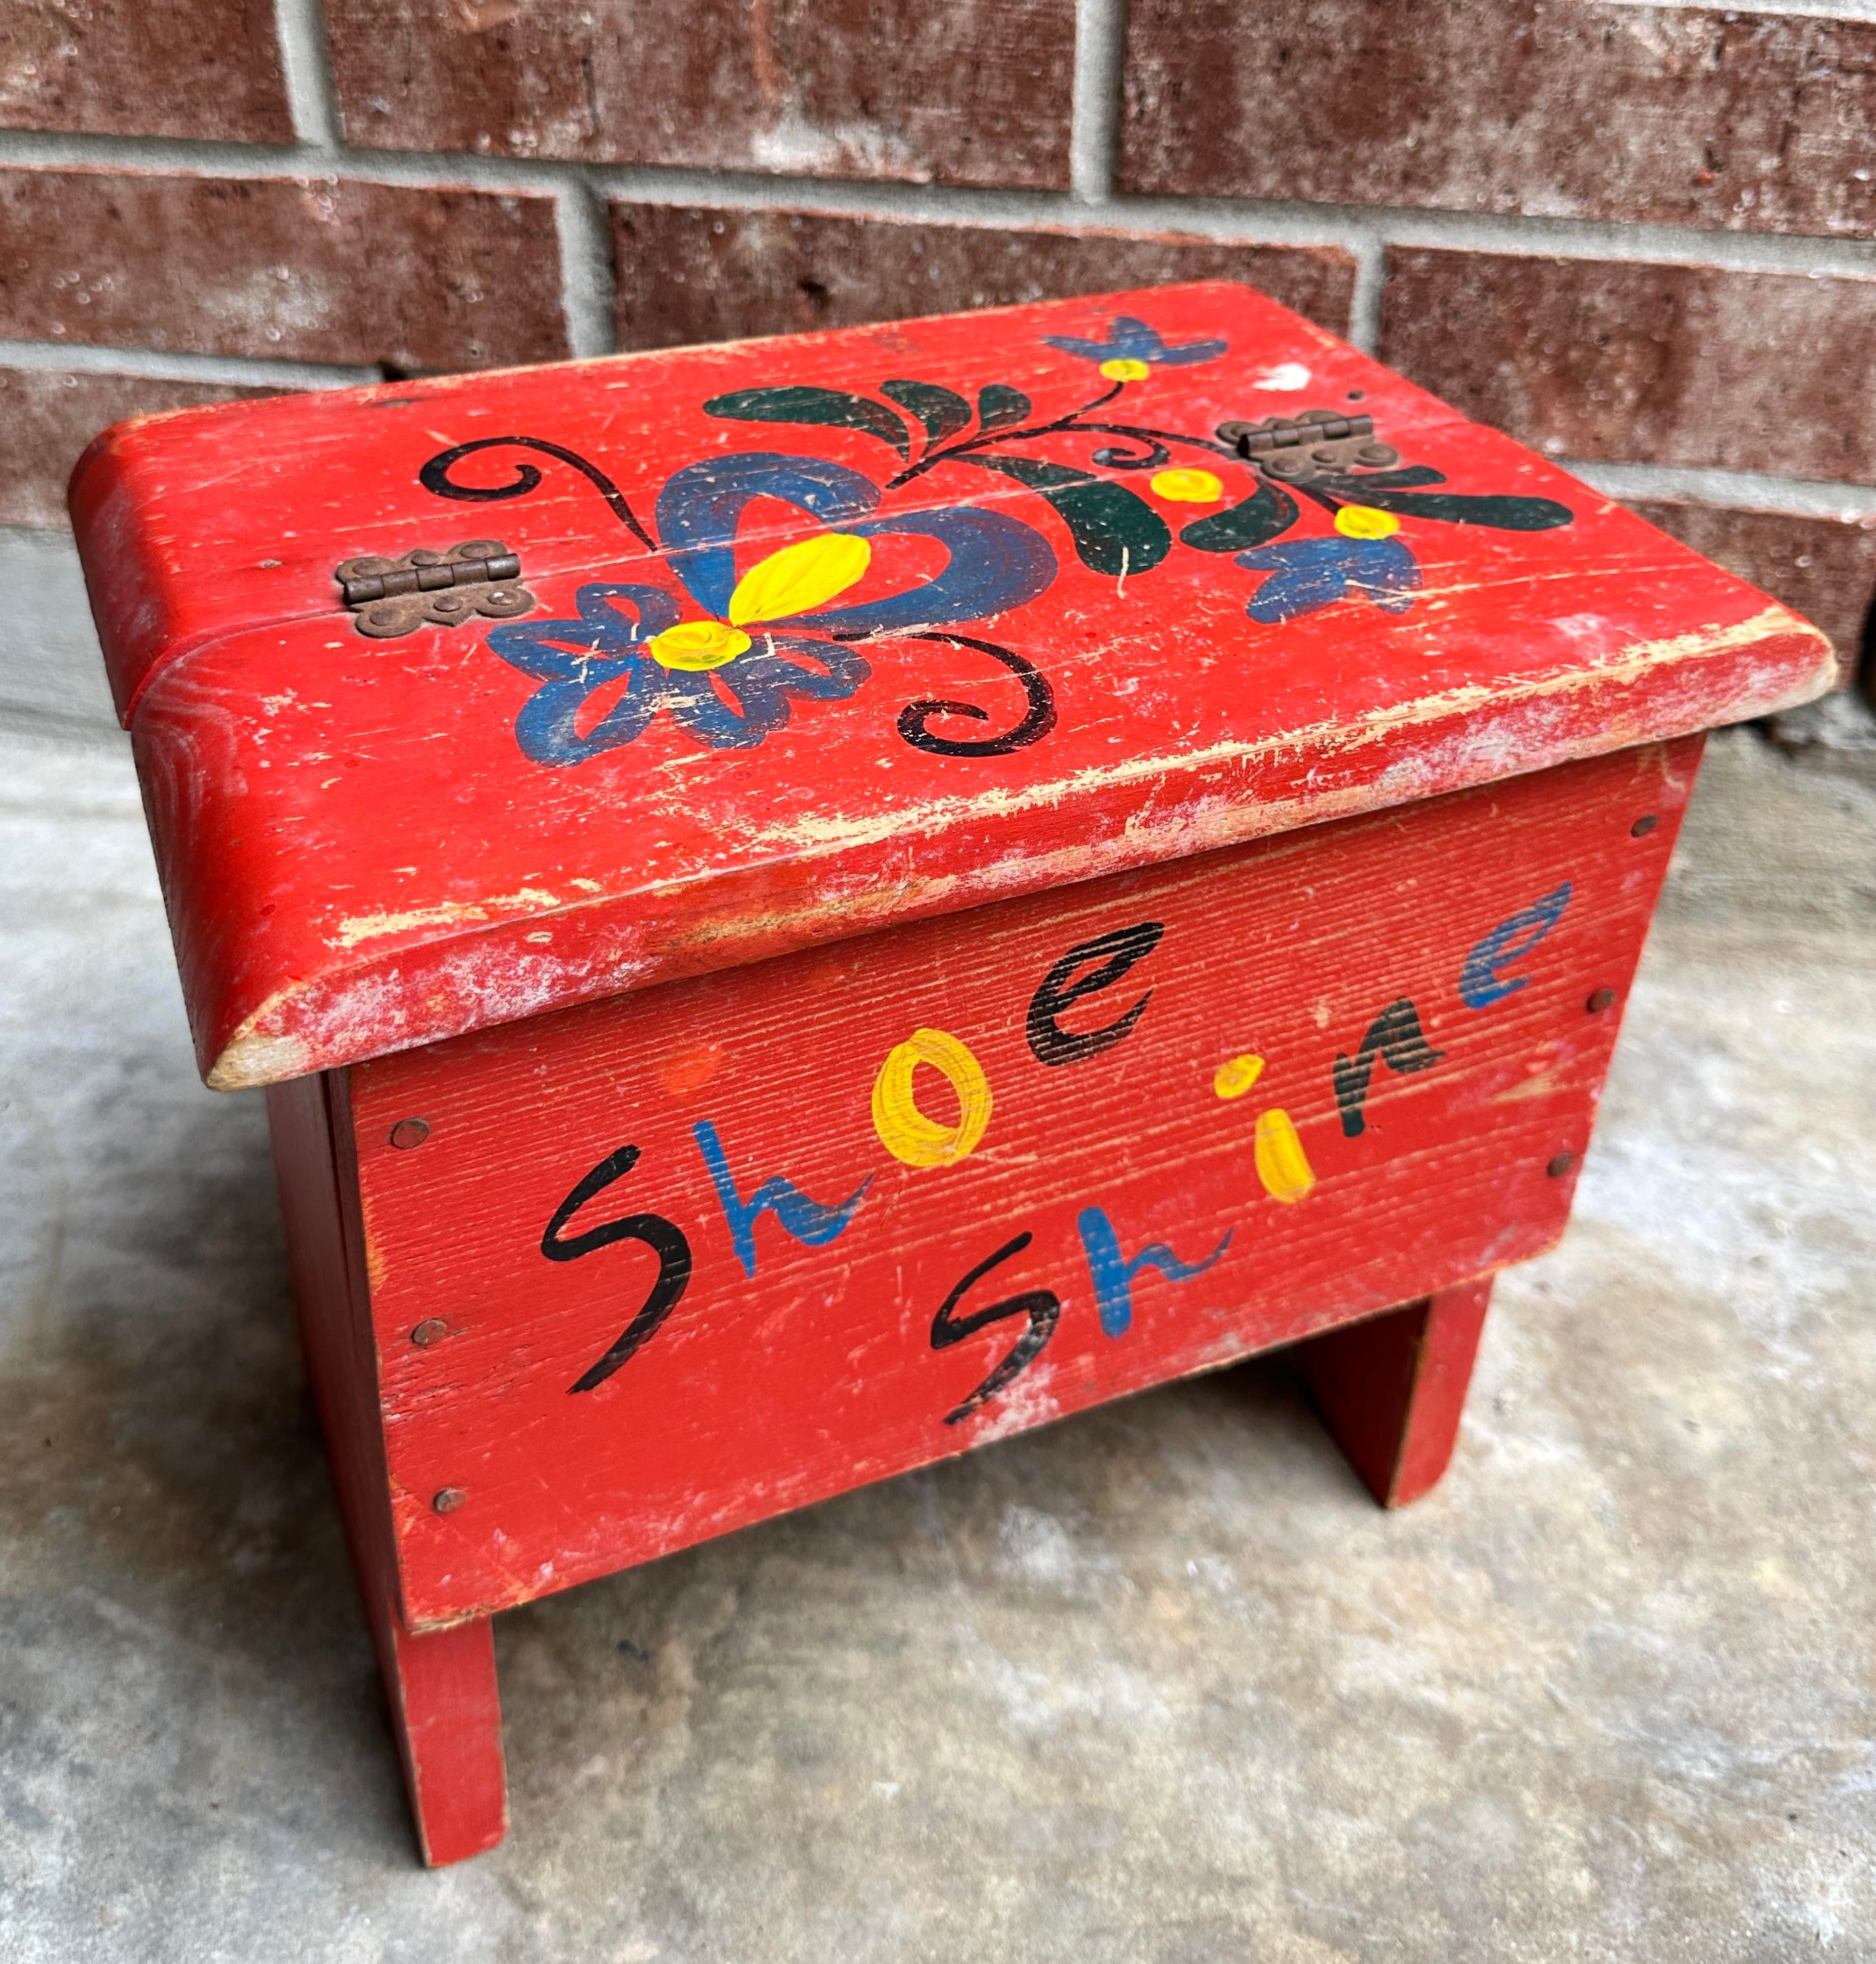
(335, 1327)
(645, 1271)
(440, 1686)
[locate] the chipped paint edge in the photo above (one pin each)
(349, 1000)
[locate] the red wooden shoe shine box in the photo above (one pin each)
(807, 905)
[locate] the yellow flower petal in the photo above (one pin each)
(800, 576)
(1187, 487)
(1363, 522)
(1236, 1075)
(697, 644)
(1124, 368)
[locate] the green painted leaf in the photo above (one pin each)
(1032, 470)
(1408, 476)
(999, 405)
(1396, 491)
(833, 409)
(942, 411)
(1503, 514)
(1114, 531)
(1253, 521)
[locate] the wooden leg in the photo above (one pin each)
(1392, 1387)
(447, 1718)
(441, 1684)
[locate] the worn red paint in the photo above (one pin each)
(282, 750)
(816, 987)
(817, 1372)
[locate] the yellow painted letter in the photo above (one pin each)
(905, 1131)
(1282, 1165)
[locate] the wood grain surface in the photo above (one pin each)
(644, 1271)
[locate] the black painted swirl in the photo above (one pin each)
(435, 478)
(1037, 723)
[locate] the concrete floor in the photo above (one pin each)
(1157, 1684)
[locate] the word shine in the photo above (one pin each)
(1394, 1039)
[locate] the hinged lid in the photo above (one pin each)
(455, 701)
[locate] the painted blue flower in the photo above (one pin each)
(1132, 348)
(1307, 574)
(728, 674)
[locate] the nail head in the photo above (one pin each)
(1600, 1001)
(430, 1330)
(1559, 1164)
(448, 1499)
(408, 1132)
(1643, 825)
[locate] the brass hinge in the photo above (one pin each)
(1312, 444)
(441, 589)
(1279, 433)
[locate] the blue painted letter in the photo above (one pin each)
(806, 1220)
(1479, 984)
(1114, 1274)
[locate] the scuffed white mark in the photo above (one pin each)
(261, 1060)
(356, 927)
(481, 981)
(1285, 378)
(1028, 1402)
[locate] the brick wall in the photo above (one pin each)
(1641, 237)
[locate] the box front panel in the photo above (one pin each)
(649, 1270)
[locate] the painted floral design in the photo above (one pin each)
(1318, 455)
(1307, 575)
(1132, 348)
(727, 659)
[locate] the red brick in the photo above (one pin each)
(687, 273)
(143, 68)
(50, 415)
(1590, 108)
(1825, 568)
(1624, 360)
(973, 91)
(320, 270)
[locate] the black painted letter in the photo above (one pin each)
(1042, 1306)
(1115, 953)
(665, 1238)
(1395, 1037)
